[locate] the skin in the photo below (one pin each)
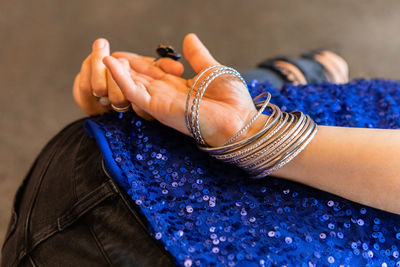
(355, 163)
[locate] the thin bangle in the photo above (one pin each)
(252, 148)
(281, 153)
(190, 93)
(197, 101)
(199, 95)
(282, 139)
(260, 111)
(220, 150)
(289, 158)
(194, 125)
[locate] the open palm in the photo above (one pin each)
(226, 105)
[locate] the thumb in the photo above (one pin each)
(196, 53)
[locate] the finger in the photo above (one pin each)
(143, 78)
(196, 53)
(101, 49)
(140, 79)
(142, 65)
(131, 56)
(85, 99)
(83, 90)
(140, 112)
(85, 76)
(170, 66)
(134, 92)
(118, 99)
(115, 94)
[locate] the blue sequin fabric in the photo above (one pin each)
(207, 213)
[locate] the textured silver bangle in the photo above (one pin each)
(190, 93)
(289, 158)
(194, 119)
(280, 140)
(226, 70)
(294, 147)
(233, 147)
(239, 153)
(260, 111)
(272, 138)
(196, 102)
(273, 148)
(267, 162)
(281, 160)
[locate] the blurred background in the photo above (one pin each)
(43, 43)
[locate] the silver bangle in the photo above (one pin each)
(274, 148)
(192, 119)
(269, 146)
(289, 157)
(199, 95)
(196, 103)
(190, 93)
(268, 134)
(271, 159)
(260, 111)
(282, 137)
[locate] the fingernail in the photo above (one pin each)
(100, 43)
(195, 35)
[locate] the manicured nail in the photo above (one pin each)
(100, 43)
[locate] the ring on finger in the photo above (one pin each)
(164, 51)
(121, 110)
(103, 100)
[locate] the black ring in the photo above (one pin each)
(167, 51)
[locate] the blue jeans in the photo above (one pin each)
(69, 212)
(311, 69)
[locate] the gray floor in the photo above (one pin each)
(43, 43)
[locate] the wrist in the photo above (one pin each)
(253, 129)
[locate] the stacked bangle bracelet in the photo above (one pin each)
(283, 136)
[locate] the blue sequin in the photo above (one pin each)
(206, 213)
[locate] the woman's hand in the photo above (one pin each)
(95, 80)
(226, 106)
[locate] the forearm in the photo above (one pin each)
(362, 165)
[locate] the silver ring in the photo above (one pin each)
(103, 100)
(121, 110)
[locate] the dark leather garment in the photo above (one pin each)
(69, 212)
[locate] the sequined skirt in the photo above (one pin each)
(167, 203)
(206, 213)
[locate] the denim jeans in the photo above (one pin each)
(69, 212)
(266, 71)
